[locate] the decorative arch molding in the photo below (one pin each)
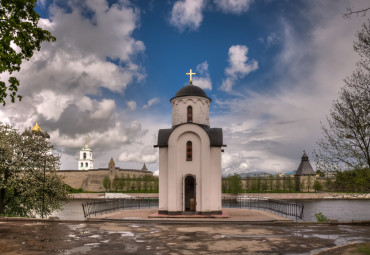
(186, 100)
(189, 128)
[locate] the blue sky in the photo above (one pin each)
(272, 69)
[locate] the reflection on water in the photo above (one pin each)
(341, 210)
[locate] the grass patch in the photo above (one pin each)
(364, 248)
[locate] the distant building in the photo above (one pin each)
(86, 161)
(305, 168)
(92, 179)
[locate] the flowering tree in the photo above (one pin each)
(29, 183)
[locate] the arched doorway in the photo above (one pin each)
(190, 198)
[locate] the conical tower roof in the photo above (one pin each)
(305, 167)
(144, 168)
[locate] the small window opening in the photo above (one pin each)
(190, 114)
(86, 164)
(84, 155)
(189, 151)
(82, 164)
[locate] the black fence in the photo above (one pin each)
(111, 205)
(282, 207)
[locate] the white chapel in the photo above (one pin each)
(190, 157)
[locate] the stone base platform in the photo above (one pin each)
(228, 215)
(223, 215)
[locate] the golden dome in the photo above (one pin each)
(36, 128)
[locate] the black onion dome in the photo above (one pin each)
(191, 90)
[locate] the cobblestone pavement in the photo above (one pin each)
(48, 237)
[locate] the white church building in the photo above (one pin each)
(190, 157)
(86, 161)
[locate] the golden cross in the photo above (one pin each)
(191, 74)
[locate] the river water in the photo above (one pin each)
(341, 210)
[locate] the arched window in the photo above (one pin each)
(82, 164)
(190, 114)
(84, 155)
(86, 164)
(189, 151)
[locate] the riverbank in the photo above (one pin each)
(284, 196)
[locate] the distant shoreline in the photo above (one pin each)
(283, 196)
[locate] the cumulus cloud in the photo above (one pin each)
(131, 105)
(233, 6)
(104, 109)
(151, 102)
(239, 66)
(64, 76)
(270, 40)
(187, 14)
(202, 79)
(268, 131)
(146, 155)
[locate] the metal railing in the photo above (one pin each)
(111, 205)
(283, 207)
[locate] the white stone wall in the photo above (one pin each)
(205, 167)
(163, 179)
(200, 110)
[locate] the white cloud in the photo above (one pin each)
(151, 102)
(51, 105)
(233, 6)
(104, 109)
(239, 66)
(187, 14)
(61, 79)
(202, 79)
(131, 105)
(268, 131)
(270, 40)
(146, 155)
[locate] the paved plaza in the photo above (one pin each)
(128, 232)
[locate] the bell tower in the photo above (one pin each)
(86, 161)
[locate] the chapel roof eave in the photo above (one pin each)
(215, 135)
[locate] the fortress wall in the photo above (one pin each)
(92, 180)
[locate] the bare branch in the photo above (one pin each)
(351, 12)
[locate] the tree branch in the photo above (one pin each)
(350, 12)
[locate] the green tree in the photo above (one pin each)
(346, 141)
(317, 186)
(297, 183)
(29, 183)
(115, 183)
(235, 184)
(106, 183)
(320, 173)
(19, 38)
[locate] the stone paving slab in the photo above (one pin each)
(237, 215)
(153, 237)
